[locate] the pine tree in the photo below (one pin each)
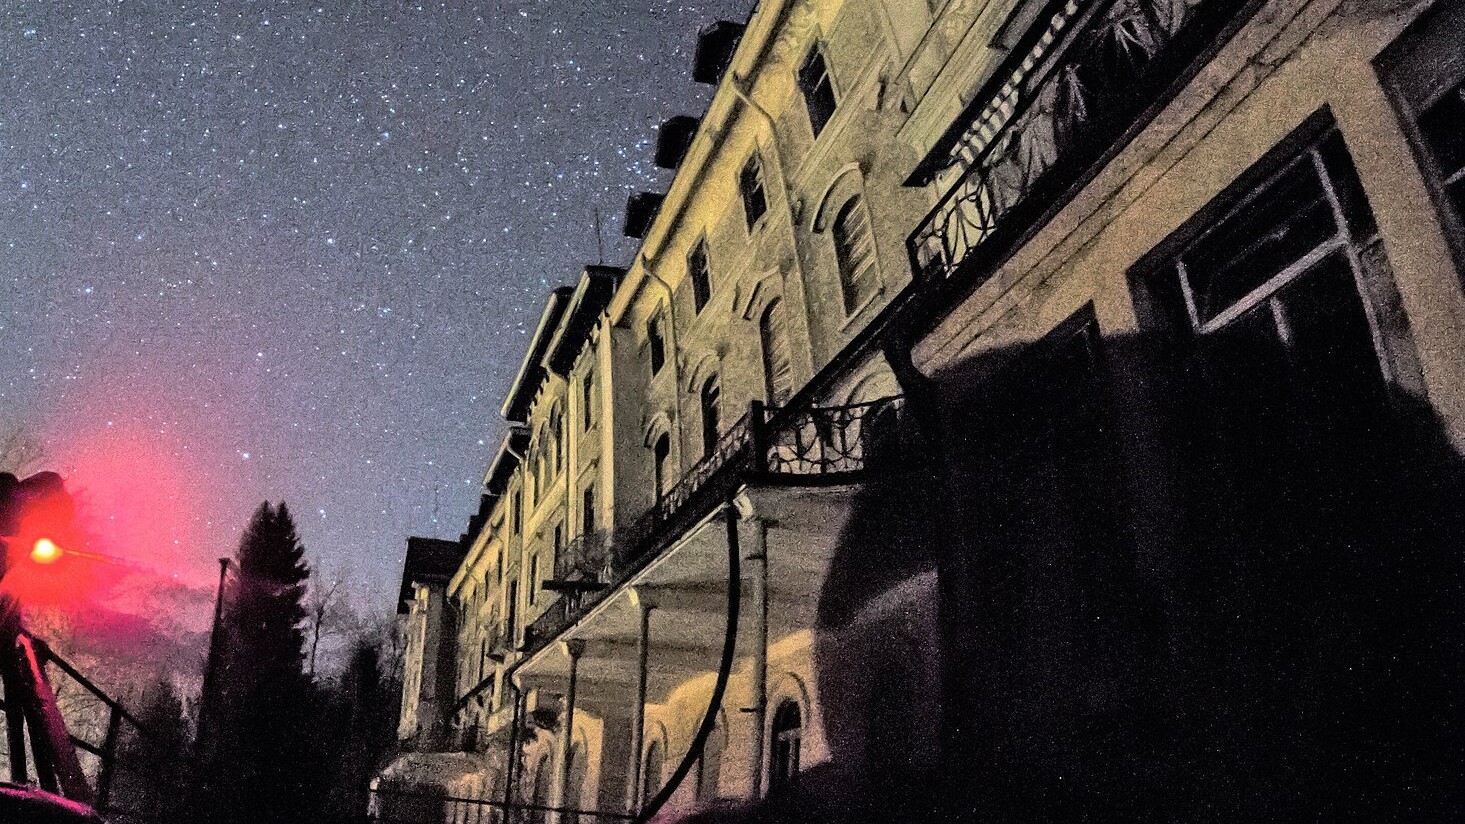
(261, 762)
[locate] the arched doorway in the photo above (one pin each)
(787, 741)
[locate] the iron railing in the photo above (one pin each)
(794, 445)
(33, 707)
(1075, 84)
(831, 441)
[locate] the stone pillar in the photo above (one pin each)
(565, 744)
(757, 560)
(643, 603)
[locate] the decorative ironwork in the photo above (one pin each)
(1075, 83)
(821, 441)
(587, 558)
(830, 440)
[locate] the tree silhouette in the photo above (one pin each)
(260, 762)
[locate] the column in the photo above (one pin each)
(565, 745)
(757, 560)
(639, 597)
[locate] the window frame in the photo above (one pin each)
(709, 405)
(1394, 61)
(699, 273)
(1161, 283)
(859, 274)
(660, 463)
(656, 342)
(810, 88)
(753, 188)
(770, 338)
(785, 747)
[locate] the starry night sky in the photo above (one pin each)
(293, 251)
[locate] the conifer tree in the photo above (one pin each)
(261, 761)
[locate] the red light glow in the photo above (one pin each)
(46, 552)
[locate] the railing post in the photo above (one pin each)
(109, 758)
(758, 422)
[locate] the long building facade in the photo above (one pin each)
(1023, 410)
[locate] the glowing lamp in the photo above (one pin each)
(45, 551)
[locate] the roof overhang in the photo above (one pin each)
(532, 372)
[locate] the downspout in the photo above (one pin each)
(676, 371)
(743, 88)
(724, 670)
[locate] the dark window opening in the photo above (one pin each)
(854, 249)
(750, 183)
(1284, 274)
(711, 410)
(657, 343)
(701, 277)
(587, 510)
(817, 89)
(661, 452)
(777, 365)
(788, 735)
(587, 400)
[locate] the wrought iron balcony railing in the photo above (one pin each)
(812, 445)
(1080, 79)
(831, 441)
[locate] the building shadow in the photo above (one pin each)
(1173, 581)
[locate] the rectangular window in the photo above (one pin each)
(661, 452)
(817, 89)
(701, 277)
(750, 183)
(657, 344)
(533, 578)
(1286, 265)
(511, 621)
(587, 511)
(587, 399)
(1425, 71)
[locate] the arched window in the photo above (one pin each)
(660, 456)
(855, 250)
(777, 369)
(711, 402)
(709, 766)
(788, 736)
(651, 772)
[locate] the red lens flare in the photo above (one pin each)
(45, 551)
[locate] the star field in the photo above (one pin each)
(292, 251)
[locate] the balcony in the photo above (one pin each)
(792, 446)
(1079, 83)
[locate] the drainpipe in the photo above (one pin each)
(676, 370)
(724, 670)
(742, 87)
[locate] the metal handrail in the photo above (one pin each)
(1075, 85)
